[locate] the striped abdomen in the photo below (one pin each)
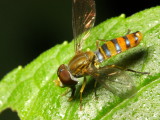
(118, 45)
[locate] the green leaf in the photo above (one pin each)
(31, 92)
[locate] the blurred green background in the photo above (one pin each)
(30, 27)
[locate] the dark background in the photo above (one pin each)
(28, 28)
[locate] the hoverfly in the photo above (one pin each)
(87, 63)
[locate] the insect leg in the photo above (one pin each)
(97, 43)
(126, 69)
(81, 91)
(95, 90)
(72, 94)
(66, 92)
(128, 32)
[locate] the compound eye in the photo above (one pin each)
(65, 76)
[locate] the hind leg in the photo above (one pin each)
(126, 69)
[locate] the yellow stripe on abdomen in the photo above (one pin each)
(118, 45)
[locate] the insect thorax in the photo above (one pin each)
(80, 63)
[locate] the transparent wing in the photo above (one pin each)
(83, 18)
(117, 81)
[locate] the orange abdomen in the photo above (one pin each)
(118, 45)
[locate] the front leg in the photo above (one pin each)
(95, 89)
(72, 93)
(81, 91)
